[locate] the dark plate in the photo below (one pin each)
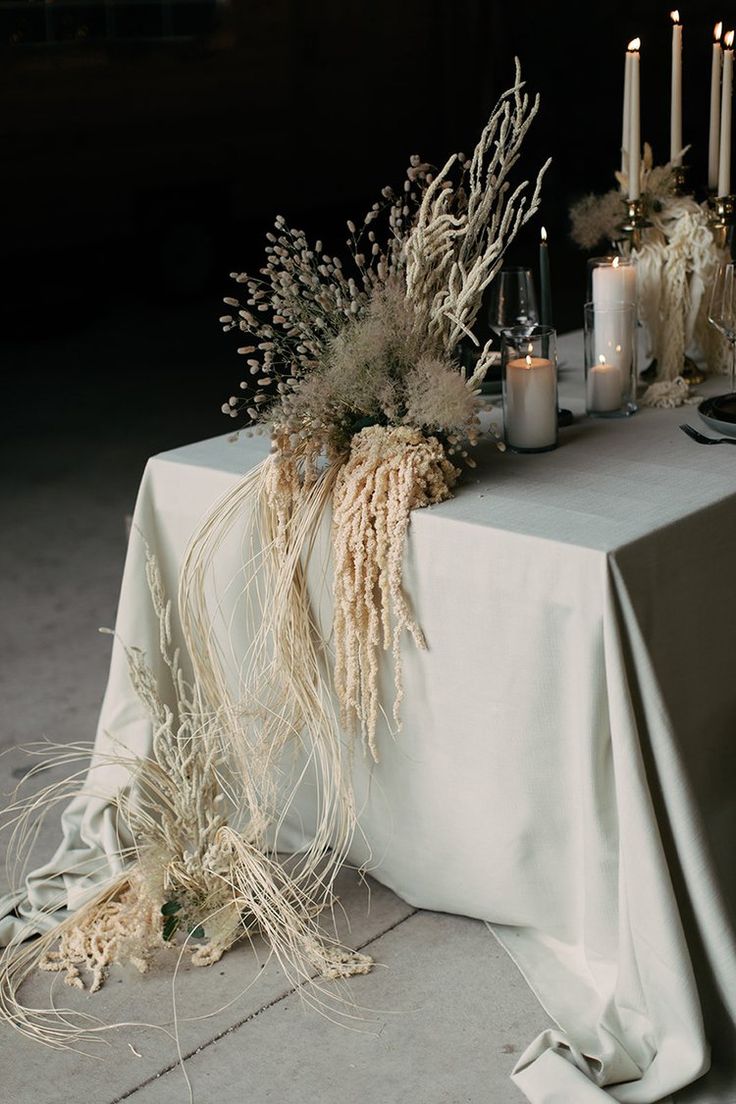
(722, 407)
(719, 414)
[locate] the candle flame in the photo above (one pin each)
(601, 359)
(615, 262)
(634, 44)
(675, 16)
(528, 361)
(618, 348)
(728, 39)
(717, 32)
(544, 234)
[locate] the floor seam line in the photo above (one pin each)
(247, 1019)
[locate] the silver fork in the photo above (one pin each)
(703, 440)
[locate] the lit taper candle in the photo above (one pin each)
(676, 101)
(545, 283)
(635, 124)
(715, 108)
(626, 122)
(724, 161)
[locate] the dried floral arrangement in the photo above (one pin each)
(675, 265)
(354, 371)
(356, 365)
(198, 868)
(335, 346)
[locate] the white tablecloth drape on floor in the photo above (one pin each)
(567, 761)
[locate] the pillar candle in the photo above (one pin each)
(626, 123)
(530, 410)
(614, 283)
(724, 159)
(676, 101)
(715, 108)
(605, 387)
(635, 124)
(614, 330)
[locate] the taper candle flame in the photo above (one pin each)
(728, 39)
(717, 32)
(635, 44)
(543, 234)
(675, 16)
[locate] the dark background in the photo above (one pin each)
(146, 147)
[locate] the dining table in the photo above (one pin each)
(566, 765)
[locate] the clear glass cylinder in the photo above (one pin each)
(610, 360)
(529, 367)
(612, 279)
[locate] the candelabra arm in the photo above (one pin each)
(634, 224)
(722, 219)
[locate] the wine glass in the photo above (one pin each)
(722, 310)
(513, 300)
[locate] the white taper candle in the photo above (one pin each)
(635, 125)
(724, 161)
(626, 123)
(715, 108)
(676, 101)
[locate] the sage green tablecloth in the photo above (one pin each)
(567, 763)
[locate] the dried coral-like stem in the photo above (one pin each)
(452, 257)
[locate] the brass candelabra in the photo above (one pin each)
(722, 219)
(634, 224)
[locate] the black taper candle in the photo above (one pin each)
(545, 306)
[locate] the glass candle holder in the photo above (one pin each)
(610, 360)
(529, 367)
(612, 279)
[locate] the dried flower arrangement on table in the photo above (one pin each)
(676, 264)
(678, 241)
(354, 371)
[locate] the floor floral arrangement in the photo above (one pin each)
(353, 368)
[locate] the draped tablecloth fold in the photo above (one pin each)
(566, 766)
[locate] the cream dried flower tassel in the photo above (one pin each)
(390, 472)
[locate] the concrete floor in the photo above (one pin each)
(445, 1015)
